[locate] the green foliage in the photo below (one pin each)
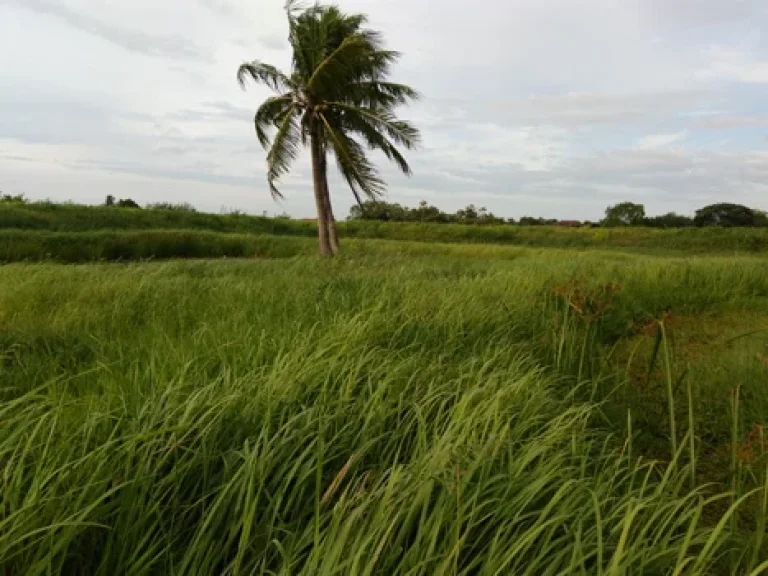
(110, 201)
(387, 212)
(20, 246)
(531, 221)
(183, 207)
(16, 199)
(725, 214)
(624, 214)
(78, 218)
(375, 210)
(669, 220)
(127, 203)
(38, 221)
(413, 408)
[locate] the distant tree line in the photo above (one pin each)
(129, 203)
(623, 214)
(723, 214)
(392, 212)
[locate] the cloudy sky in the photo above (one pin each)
(552, 108)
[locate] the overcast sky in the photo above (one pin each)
(552, 108)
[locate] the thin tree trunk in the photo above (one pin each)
(318, 180)
(333, 229)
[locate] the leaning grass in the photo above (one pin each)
(384, 413)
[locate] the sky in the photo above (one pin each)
(553, 108)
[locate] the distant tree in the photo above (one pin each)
(669, 220)
(127, 203)
(110, 200)
(725, 214)
(486, 217)
(624, 214)
(468, 215)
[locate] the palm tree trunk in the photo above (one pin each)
(318, 180)
(333, 229)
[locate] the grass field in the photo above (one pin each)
(409, 408)
(47, 223)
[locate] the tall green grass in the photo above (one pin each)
(70, 218)
(80, 218)
(405, 409)
(124, 245)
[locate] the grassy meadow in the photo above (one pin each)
(408, 408)
(32, 231)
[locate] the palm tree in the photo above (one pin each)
(337, 100)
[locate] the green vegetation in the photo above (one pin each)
(455, 395)
(80, 218)
(35, 231)
(21, 245)
(409, 408)
(619, 215)
(726, 215)
(392, 212)
(336, 99)
(625, 214)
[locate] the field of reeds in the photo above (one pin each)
(408, 408)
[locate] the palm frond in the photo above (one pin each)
(269, 114)
(354, 165)
(401, 131)
(284, 150)
(341, 67)
(267, 74)
(376, 94)
(375, 139)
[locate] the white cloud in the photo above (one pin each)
(729, 122)
(734, 65)
(653, 141)
(548, 107)
(168, 46)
